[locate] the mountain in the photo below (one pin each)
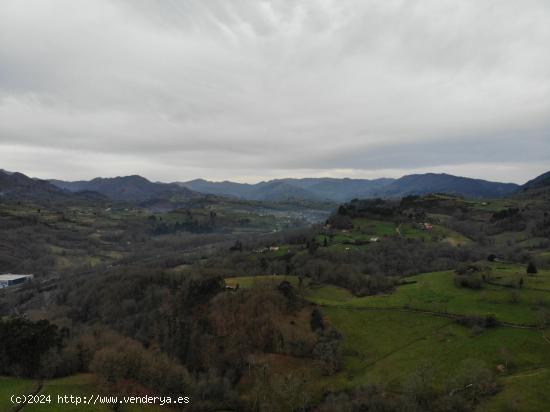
(17, 186)
(129, 188)
(341, 190)
(318, 189)
(280, 191)
(421, 184)
(224, 188)
(539, 182)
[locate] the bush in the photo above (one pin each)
(531, 268)
(485, 322)
(24, 344)
(468, 281)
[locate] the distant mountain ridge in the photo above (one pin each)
(421, 184)
(132, 188)
(320, 189)
(17, 186)
(542, 181)
(341, 190)
(138, 189)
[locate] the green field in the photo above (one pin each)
(376, 353)
(384, 342)
(437, 292)
(77, 385)
(524, 392)
(14, 386)
(364, 229)
(508, 274)
(372, 227)
(82, 385)
(250, 281)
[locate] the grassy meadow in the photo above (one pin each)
(385, 338)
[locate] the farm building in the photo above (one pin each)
(9, 279)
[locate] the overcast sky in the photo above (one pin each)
(251, 90)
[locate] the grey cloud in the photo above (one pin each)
(181, 89)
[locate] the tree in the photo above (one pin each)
(316, 321)
(327, 350)
(237, 247)
(531, 268)
(23, 343)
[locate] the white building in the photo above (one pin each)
(10, 279)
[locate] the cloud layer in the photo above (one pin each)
(249, 89)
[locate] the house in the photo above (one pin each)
(428, 226)
(230, 288)
(374, 239)
(274, 248)
(10, 279)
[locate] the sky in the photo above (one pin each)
(249, 90)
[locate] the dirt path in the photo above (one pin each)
(513, 287)
(38, 389)
(524, 374)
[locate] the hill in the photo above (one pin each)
(279, 190)
(128, 188)
(539, 182)
(421, 184)
(224, 188)
(17, 186)
(390, 299)
(325, 189)
(341, 190)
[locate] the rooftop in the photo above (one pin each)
(11, 276)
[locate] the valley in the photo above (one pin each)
(437, 301)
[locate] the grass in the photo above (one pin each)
(80, 385)
(385, 346)
(525, 392)
(77, 385)
(250, 281)
(372, 227)
(437, 292)
(364, 229)
(376, 353)
(510, 273)
(14, 386)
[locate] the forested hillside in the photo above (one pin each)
(434, 302)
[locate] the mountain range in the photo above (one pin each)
(132, 188)
(341, 190)
(539, 182)
(17, 186)
(138, 189)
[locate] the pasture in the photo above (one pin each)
(385, 338)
